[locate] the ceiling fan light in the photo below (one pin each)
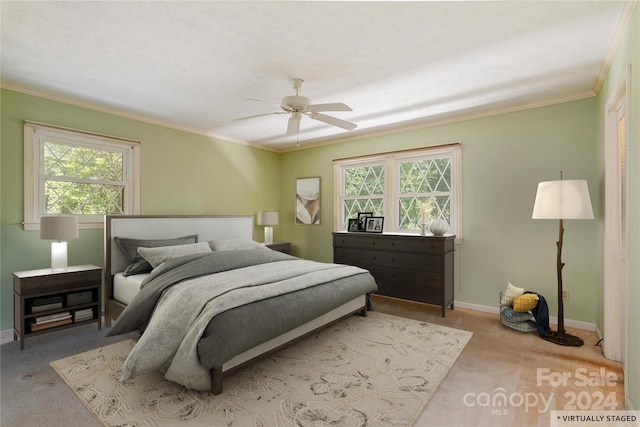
(296, 102)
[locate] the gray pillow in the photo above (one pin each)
(235, 244)
(137, 264)
(515, 317)
(156, 256)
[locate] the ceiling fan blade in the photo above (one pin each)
(294, 124)
(336, 106)
(258, 115)
(333, 121)
(266, 102)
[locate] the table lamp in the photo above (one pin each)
(268, 219)
(59, 228)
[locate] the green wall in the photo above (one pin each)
(503, 159)
(181, 173)
(627, 56)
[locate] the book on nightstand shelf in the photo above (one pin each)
(39, 305)
(82, 315)
(52, 318)
(39, 327)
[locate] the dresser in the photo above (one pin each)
(417, 268)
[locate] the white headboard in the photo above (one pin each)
(166, 227)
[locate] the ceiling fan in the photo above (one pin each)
(298, 105)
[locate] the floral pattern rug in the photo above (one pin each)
(378, 370)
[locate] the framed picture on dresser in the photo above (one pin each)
(374, 224)
(362, 220)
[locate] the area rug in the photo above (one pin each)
(378, 370)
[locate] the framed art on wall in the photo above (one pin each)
(308, 200)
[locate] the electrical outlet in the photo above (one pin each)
(565, 295)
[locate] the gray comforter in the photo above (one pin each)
(181, 297)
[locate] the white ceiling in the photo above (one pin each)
(193, 64)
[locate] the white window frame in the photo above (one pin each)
(392, 185)
(35, 136)
(339, 176)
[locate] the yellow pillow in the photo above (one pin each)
(525, 302)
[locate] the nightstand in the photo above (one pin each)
(46, 301)
(284, 247)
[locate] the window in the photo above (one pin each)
(80, 173)
(406, 187)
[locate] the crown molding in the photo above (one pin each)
(621, 27)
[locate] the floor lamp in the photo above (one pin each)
(562, 200)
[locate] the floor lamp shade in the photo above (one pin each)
(268, 219)
(565, 199)
(59, 228)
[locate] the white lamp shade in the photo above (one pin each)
(59, 227)
(267, 218)
(565, 199)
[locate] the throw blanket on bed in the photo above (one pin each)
(170, 338)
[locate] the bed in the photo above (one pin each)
(244, 300)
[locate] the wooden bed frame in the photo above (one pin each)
(208, 228)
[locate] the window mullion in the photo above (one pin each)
(58, 178)
(391, 195)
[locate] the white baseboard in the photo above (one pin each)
(477, 307)
(578, 324)
(6, 336)
(599, 333)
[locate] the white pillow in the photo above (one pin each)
(510, 293)
(235, 244)
(156, 256)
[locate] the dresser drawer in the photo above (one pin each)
(426, 245)
(359, 241)
(356, 257)
(413, 293)
(375, 270)
(60, 282)
(422, 262)
(420, 244)
(412, 277)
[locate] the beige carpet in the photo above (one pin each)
(374, 370)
